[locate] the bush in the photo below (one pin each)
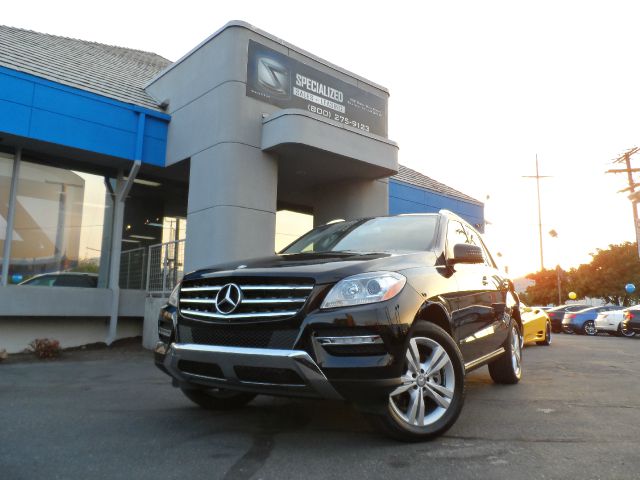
(45, 348)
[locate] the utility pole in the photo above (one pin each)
(634, 195)
(537, 176)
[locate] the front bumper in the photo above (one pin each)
(261, 370)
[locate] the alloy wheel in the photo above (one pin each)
(590, 328)
(428, 384)
(627, 332)
(516, 351)
(548, 334)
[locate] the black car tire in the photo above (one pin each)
(547, 336)
(625, 333)
(508, 368)
(589, 328)
(434, 396)
(218, 398)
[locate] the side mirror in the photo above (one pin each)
(465, 253)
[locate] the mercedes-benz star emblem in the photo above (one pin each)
(228, 298)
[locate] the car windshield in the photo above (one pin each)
(383, 234)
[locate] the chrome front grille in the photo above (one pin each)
(260, 298)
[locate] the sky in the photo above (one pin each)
(478, 89)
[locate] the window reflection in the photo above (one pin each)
(59, 221)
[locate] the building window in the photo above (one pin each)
(59, 221)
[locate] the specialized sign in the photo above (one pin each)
(287, 83)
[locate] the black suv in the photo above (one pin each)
(389, 313)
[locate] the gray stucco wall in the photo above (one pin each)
(233, 192)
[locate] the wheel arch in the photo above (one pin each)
(437, 314)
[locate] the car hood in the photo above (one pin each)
(327, 267)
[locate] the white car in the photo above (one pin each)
(611, 322)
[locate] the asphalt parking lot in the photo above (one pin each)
(112, 414)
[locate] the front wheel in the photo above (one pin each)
(626, 332)
(508, 368)
(431, 392)
(547, 336)
(218, 398)
(589, 328)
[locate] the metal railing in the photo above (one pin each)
(165, 267)
(133, 269)
(156, 269)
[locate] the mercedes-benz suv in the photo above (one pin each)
(389, 313)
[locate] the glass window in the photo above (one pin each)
(291, 225)
(476, 239)
(455, 234)
(384, 234)
(59, 222)
(41, 281)
(6, 167)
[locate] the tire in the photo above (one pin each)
(547, 337)
(625, 333)
(218, 398)
(430, 399)
(589, 328)
(507, 369)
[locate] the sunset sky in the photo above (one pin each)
(477, 90)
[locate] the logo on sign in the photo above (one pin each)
(273, 77)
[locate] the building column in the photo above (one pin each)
(350, 200)
(11, 215)
(232, 205)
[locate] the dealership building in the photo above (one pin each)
(127, 169)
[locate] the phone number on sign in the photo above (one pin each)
(337, 117)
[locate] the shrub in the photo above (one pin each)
(45, 348)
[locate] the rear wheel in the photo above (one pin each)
(589, 328)
(431, 393)
(508, 368)
(547, 336)
(218, 398)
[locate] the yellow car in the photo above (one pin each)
(537, 325)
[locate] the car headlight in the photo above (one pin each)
(364, 288)
(173, 298)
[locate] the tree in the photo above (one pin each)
(607, 274)
(545, 289)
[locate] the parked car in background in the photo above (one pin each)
(556, 314)
(631, 320)
(536, 325)
(583, 321)
(544, 309)
(611, 322)
(63, 279)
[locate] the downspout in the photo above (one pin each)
(123, 187)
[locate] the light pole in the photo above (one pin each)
(537, 176)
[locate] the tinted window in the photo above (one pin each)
(455, 234)
(575, 308)
(73, 281)
(475, 239)
(43, 281)
(410, 233)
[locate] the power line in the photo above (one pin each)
(634, 195)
